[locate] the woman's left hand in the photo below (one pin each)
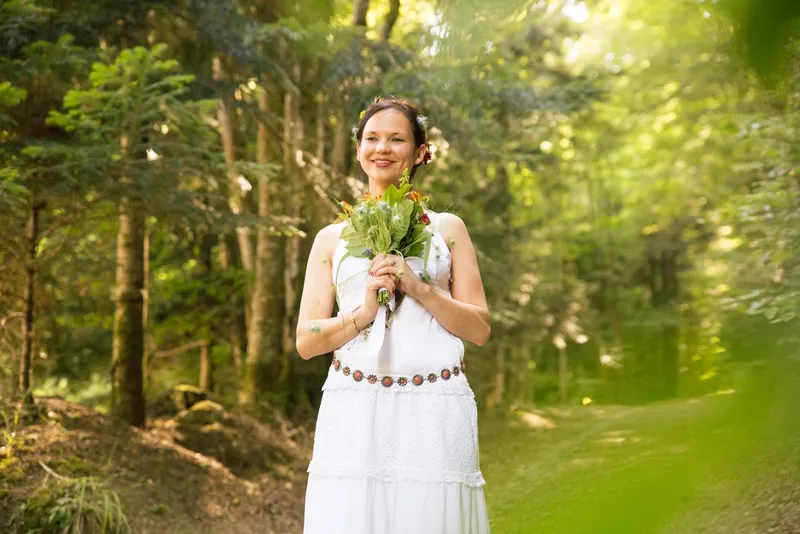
(407, 282)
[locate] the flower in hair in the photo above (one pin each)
(422, 120)
(355, 133)
(427, 157)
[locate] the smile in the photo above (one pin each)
(382, 162)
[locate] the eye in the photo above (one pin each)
(398, 139)
(372, 138)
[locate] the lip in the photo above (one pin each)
(382, 162)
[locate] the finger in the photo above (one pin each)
(376, 283)
(390, 286)
(387, 282)
(379, 282)
(385, 270)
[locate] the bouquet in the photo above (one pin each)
(395, 223)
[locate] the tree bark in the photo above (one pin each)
(14, 365)
(264, 330)
(498, 391)
(341, 138)
(149, 344)
(360, 9)
(206, 367)
(127, 392)
(237, 197)
(390, 20)
(562, 374)
(32, 235)
(321, 127)
(294, 136)
(237, 332)
(206, 363)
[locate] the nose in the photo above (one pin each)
(382, 147)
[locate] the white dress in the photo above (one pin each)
(396, 444)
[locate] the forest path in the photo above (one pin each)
(725, 463)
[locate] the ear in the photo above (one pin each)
(421, 151)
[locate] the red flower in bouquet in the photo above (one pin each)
(425, 219)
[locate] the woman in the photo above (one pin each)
(396, 444)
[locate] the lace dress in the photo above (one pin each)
(396, 443)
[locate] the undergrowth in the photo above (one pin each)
(63, 505)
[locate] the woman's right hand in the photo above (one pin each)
(369, 310)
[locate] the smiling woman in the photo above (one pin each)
(391, 136)
(396, 442)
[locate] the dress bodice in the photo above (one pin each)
(414, 342)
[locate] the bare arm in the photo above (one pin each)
(466, 315)
(318, 332)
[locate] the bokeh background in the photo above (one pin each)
(629, 175)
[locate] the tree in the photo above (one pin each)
(136, 94)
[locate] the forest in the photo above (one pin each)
(629, 173)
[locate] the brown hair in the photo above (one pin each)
(409, 110)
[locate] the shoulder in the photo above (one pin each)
(450, 223)
(450, 218)
(328, 237)
(332, 231)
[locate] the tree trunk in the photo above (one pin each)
(237, 332)
(670, 330)
(30, 283)
(390, 20)
(127, 393)
(264, 331)
(14, 366)
(321, 127)
(498, 391)
(206, 367)
(206, 363)
(662, 369)
(237, 196)
(341, 138)
(562, 374)
(149, 344)
(360, 9)
(294, 136)
(537, 357)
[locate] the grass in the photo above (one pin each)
(711, 464)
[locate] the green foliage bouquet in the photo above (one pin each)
(394, 223)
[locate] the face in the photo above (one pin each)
(387, 146)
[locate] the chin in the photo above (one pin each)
(385, 175)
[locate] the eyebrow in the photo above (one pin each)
(374, 132)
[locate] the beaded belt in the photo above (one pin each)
(388, 381)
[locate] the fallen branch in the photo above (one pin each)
(51, 472)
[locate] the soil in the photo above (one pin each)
(200, 471)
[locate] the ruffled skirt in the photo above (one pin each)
(396, 460)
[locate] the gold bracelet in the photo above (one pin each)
(353, 316)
